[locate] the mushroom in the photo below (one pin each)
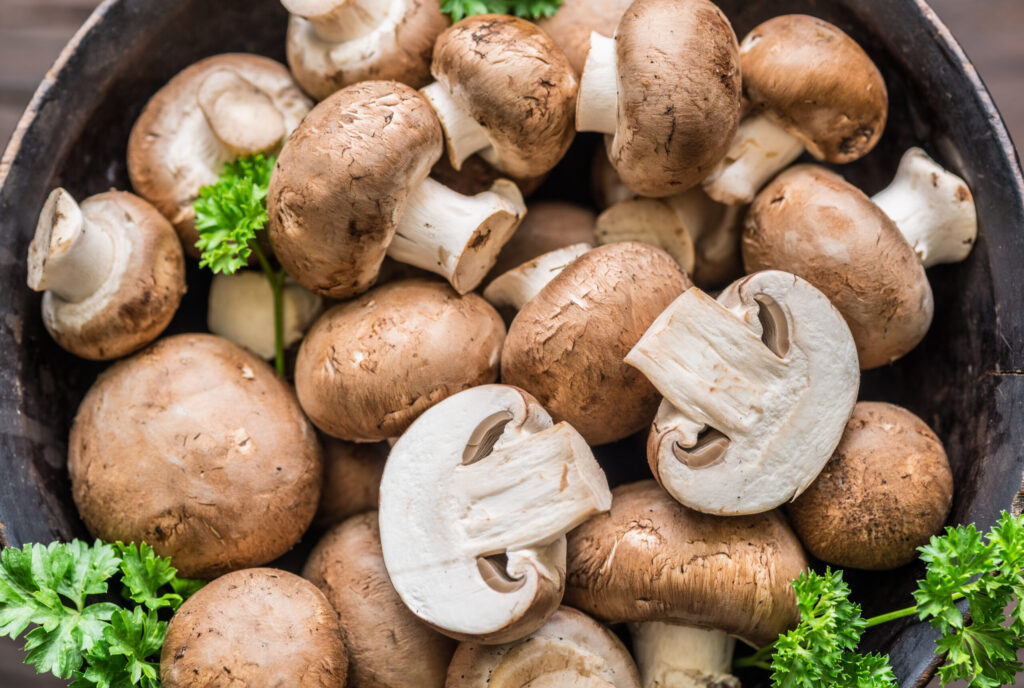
(477, 175)
(575, 20)
(388, 647)
(606, 183)
(812, 223)
(571, 649)
(257, 627)
(241, 309)
(370, 366)
(480, 555)
(667, 90)
(758, 387)
(548, 226)
(505, 90)
(685, 581)
(337, 43)
(886, 490)
(111, 269)
(518, 286)
(351, 184)
(211, 113)
(351, 479)
(809, 86)
(566, 345)
(195, 446)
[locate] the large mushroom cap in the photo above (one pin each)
(652, 559)
(816, 82)
(351, 479)
(195, 446)
(575, 20)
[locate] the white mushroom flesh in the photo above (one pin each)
(597, 108)
(675, 656)
(760, 150)
(463, 134)
(518, 286)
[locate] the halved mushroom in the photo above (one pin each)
(337, 43)
(667, 89)
(480, 555)
(351, 184)
(518, 286)
(548, 226)
(575, 20)
(570, 650)
(351, 479)
(212, 112)
(112, 271)
(758, 387)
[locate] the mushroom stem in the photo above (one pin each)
(760, 150)
(458, 237)
(69, 255)
(465, 136)
(340, 20)
(675, 656)
(241, 116)
(517, 287)
(598, 106)
(932, 208)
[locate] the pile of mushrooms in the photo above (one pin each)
(459, 350)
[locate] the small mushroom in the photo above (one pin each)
(480, 555)
(351, 479)
(505, 90)
(812, 223)
(211, 113)
(254, 628)
(370, 366)
(570, 650)
(548, 225)
(567, 344)
(518, 286)
(388, 647)
(606, 183)
(337, 43)
(112, 271)
(351, 184)
(758, 387)
(667, 90)
(575, 20)
(886, 490)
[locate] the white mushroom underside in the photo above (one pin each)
(463, 134)
(597, 108)
(676, 656)
(342, 20)
(650, 221)
(326, 56)
(760, 150)
(518, 286)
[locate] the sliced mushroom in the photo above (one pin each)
(481, 554)
(575, 20)
(548, 226)
(112, 271)
(351, 479)
(758, 387)
(518, 286)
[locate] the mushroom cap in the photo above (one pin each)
(679, 94)
(571, 650)
(369, 367)
(258, 628)
(817, 83)
(351, 479)
(388, 647)
(567, 344)
(197, 447)
(887, 489)
(812, 223)
(548, 226)
(575, 20)
(652, 559)
(169, 157)
(141, 295)
(605, 182)
(512, 79)
(477, 176)
(342, 181)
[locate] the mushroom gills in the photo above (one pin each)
(708, 450)
(774, 325)
(481, 442)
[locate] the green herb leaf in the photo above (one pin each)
(144, 574)
(528, 9)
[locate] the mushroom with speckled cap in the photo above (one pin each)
(352, 472)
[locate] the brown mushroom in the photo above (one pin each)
(351, 479)
(517, 287)
(606, 183)
(477, 175)
(575, 20)
(887, 489)
(548, 225)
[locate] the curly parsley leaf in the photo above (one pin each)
(144, 574)
(528, 9)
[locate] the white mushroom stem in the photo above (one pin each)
(340, 20)
(674, 656)
(463, 134)
(241, 117)
(760, 150)
(458, 237)
(69, 255)
(933, 209)
(597, 108)
(518, 286)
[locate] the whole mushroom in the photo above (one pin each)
(352, 473)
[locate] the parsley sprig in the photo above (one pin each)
(528, 9)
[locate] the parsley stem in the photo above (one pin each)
(276, 279)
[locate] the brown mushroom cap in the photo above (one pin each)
(512, 79)
(549, 225)
(652, 559)
(369, 367)
(477, 175)
(388, 647)
(566, 347)
(342, 181)
(817, 83)
(352, 475)
(197, 447)
(812, 223)
(575, 20)
(259, 628)
(887, 489)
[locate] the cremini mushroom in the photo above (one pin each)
(351, 184)
(337, 43)
(515, 288)
(575, 20)
(370, 366)
(111, 269)
(667, 90)
(480, 555)
(887, 489)
(351, 479)
(566, 345)
(758, 387)
(606, 183)
(388, 647)
(212, 112)
(477, 175)
(548, 226)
